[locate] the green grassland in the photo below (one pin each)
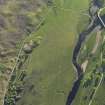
(50, 71)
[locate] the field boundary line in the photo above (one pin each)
(80, 11)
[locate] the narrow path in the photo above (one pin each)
(98, 39)
(100, 16)
(96, 89)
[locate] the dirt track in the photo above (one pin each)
(98, 39)
(96, 45)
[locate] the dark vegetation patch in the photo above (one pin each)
(17, 20)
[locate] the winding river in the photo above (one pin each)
(95, 21)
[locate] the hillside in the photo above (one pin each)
(52, 52)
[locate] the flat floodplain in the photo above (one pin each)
(50, 70)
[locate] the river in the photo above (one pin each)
(95, 21)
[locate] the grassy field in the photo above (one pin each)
(50, 71)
